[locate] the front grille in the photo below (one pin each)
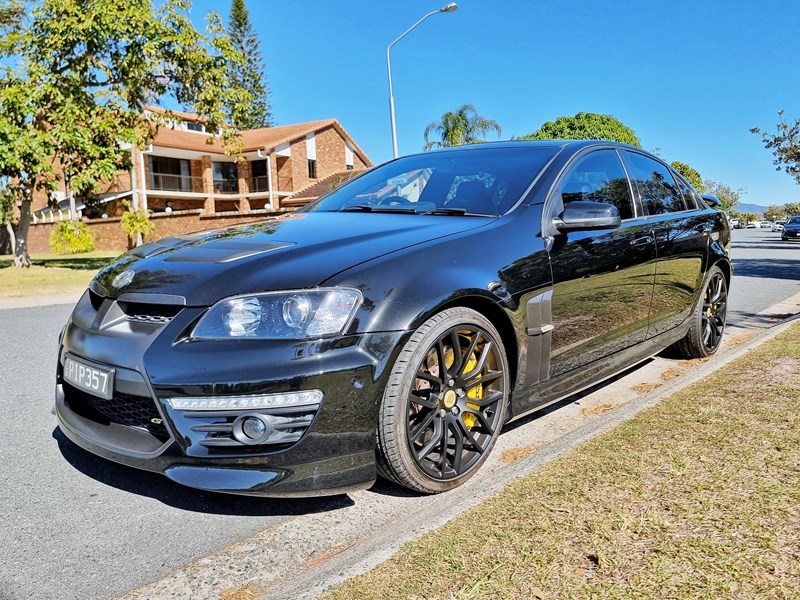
(124, 409)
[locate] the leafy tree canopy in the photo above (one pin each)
(785, 145)
(726, 194)
(247, 71)
(690, 174)
(75, 76)
(586, 126)
(462, 126)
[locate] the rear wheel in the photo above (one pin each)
(708, 321)
(445, 402)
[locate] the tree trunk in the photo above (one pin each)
(21, 256)
(11, 236)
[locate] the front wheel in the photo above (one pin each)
(445, 402)
(708, 320)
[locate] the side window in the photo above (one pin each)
(656, 185)
(688, 193)
(598, 177)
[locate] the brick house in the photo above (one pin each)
(181, 170)
(192, 185)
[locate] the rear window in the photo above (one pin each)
(477, 180)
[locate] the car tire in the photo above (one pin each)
(784, 237)
(437, 426)
(708, 320)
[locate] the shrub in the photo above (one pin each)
(72, 237)
(135, 222)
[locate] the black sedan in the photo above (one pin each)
(395, 325)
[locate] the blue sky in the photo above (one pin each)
(690, 78)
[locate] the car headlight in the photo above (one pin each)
(290, 315)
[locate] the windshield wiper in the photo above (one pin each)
(373, 208)
(456, 212)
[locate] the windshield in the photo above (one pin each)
(794, 221)
(481, 181)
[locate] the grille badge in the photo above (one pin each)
(123, 278)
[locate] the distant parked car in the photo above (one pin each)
(766, 225)
(778, 225)
(753, 225)
(791, 229)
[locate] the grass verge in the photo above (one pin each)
(50, 274)
(696, 497)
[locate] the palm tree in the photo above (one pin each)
(464, 126)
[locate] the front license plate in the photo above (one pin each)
(94, 380)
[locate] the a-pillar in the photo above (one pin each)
(208, 185)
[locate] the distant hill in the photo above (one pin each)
(750, 208)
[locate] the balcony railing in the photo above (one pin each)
(175, 183)
(226, 186)
(259, 184)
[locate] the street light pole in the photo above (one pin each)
(448, 8)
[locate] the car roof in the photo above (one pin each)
(571, 144)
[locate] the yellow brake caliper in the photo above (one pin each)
(476, 393)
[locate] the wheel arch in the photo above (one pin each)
(498, 317)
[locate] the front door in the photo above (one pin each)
(602, 280)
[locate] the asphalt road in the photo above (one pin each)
(75, 526)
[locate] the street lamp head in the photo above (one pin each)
(449, 7)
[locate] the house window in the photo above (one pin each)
(170, 174)
(260, 183)
(192, 126)
(226, 178)
(312, 168)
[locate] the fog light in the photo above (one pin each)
(252, 429)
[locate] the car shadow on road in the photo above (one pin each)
(159, 487)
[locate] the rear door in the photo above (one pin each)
(602, 280)
(682, 237)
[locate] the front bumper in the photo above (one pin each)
(152, 362)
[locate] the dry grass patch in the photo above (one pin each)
(645, 388)
(672, 373)
(599, 409)
(696, 497)
(514, 454)
(242, 592)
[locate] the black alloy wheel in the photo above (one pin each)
(708, 322)
(445, 402)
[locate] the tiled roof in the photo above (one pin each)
(253, 139)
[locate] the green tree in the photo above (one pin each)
(76, 76)
(585, 126)
(462, 126)
(726, 194)
(690, 174)
(785, 145)
(792, 209)
(247, 71)
(775, 212)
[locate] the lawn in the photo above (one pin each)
(696, 497)
(50, 274)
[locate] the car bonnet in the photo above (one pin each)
(294, 251)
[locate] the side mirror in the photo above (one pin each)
(581, 215)
(711, 200)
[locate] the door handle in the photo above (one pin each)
(642, 241)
